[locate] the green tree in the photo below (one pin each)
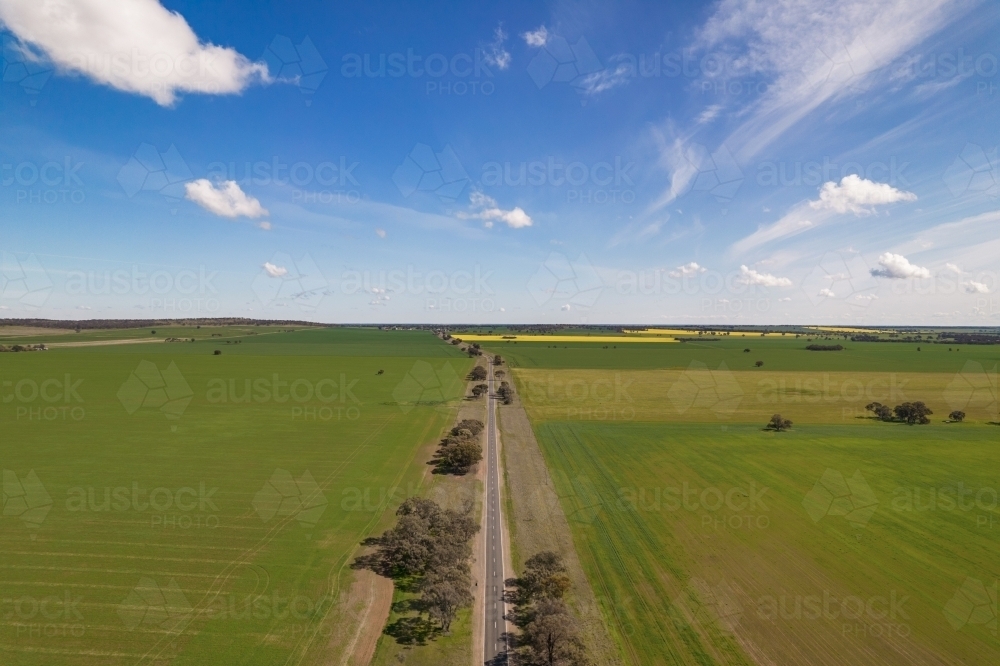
(777, 423)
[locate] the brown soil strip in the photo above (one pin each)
(536, 522)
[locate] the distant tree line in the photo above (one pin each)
(824, 347)
(912, 413)
(427, 551)
(146, 323)
(549, 634)
(460, 448)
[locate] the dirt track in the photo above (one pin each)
(537, 522)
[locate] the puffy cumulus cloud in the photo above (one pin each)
(751, 277)
(490, 211)
(537, 37)
(827, 292)
(689, 269)
(898, 267)
(380, 233)
(496, 54)
(133, 45)
(264, 224)
(274, 270)
(858, 195)
(973, 287)
(224, 200)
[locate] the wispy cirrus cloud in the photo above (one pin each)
(811, 55)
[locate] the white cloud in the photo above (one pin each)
(857, 195)
(84, 307)
(898, 267)
(853, 194)
(687, 270)
(751, 277)
(565, 308)
(606, 79)
(274, 270)
(537, 37)
(709, 114)
(811, 54)
(380, 233)
(515, 218)
(495, 54)
(866, 297)
(828, 293)
(954, 268)
(133, 45)
(973, 287)
(786, 299)
(227, 200)
(264, 224)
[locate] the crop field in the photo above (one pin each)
(844, 540)
(166, 504)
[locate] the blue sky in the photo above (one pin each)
(502, 162)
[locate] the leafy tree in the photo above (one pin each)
(445, 593)
(777, 423)
(881, 412)
(913, 413)
(478, 374)
(758, 364)
(460, 457)
(957, 416)
(552, 636)
(475, 426)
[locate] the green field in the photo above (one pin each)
(155, 511)
(710, 541)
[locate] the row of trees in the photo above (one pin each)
(909, 412)
(428, 550)
(549, 634)
(23, 348)
(460, 448)
(505, 393)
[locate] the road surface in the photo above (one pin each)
(495, 646)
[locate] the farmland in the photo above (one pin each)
(708, 540)
(163, 503)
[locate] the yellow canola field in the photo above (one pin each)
(732, 334)
(558, 338)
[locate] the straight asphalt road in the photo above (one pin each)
(495, 645)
